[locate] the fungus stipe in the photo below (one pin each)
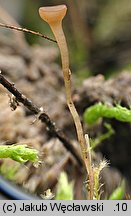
(53, 16)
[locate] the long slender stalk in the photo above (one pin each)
(85, 149)
(53, 16)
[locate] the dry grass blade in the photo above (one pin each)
(27, 31)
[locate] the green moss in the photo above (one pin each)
(93, 113)
(19, 153)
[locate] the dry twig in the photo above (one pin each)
(55, 132)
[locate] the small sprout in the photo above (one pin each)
(119, 192)
(19, 153)
(64, 188)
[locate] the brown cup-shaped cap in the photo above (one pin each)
(53, 14)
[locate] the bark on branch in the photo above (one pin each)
(55, 132)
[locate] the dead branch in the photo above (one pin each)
(51, 126)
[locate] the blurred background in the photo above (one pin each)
(98, 32)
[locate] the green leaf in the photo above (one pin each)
(64, 188)
(119, 192)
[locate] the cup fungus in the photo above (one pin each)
(53, 16)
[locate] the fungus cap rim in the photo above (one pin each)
(53, 13)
